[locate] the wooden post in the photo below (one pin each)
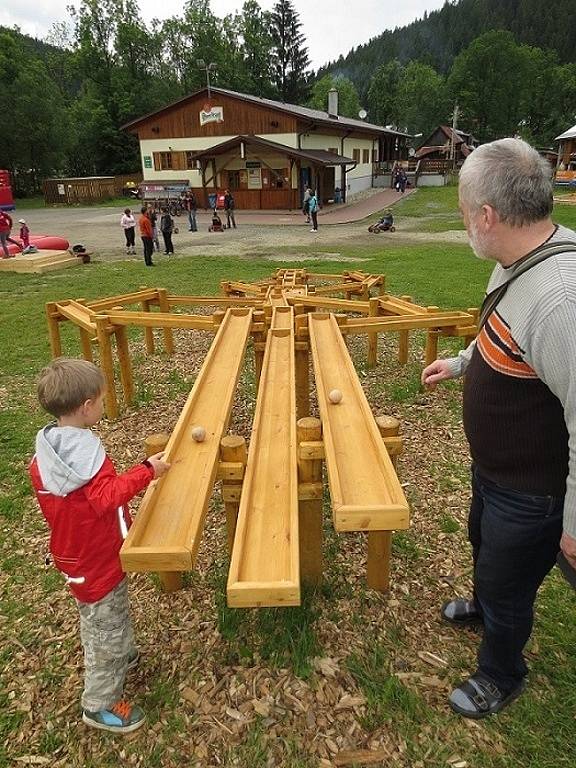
(155, 443)
(53, 329)
(148, 332)
(310, 512)
(302, 364)
(103, 331)
(380, 542)
(232, 448)
(125, 363)
(165, 307)
(432, 336)
(86, 344)
(259, 346)
(373, 310)
(171, 581)
(403, 338)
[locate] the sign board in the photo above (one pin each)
(214, 115)
(61, 189)
(147, 161)
(253, 164)
(254, 178)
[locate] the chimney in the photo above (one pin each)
(333, 103)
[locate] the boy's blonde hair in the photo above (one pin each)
(66, 383)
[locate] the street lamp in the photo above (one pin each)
(201, 64)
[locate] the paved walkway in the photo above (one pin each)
(329, 214)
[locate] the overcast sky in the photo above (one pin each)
(331, 27)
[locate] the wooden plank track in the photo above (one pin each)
(366, 494)
(264, 570)
(166, 532)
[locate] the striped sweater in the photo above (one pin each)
(520, 389)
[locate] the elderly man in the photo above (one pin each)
(519, 412)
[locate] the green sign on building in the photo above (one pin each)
(147, 161)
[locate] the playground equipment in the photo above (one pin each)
(273, 494)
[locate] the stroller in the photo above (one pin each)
(216, 225)
(386, 224)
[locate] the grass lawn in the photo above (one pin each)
(372, 642)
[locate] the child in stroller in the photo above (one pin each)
(216, 225)
(385, 224)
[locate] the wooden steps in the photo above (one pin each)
(42, 261)
(167, 530)
(366, 493)
(265, 570)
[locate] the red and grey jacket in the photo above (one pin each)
(84, 502)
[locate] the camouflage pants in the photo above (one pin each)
(108, 640)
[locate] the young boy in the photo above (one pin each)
(83, 501)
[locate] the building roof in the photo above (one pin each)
(569, 134)
(318, 156)
(314, 115)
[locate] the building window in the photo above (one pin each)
(365, 155)
(165, 161)
(190, 162)
(356, 155)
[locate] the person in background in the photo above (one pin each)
(306, 204)
(24, 235)
(153, 216)
(519, 412)
(146, 233)
(5, 229)
(229, 208)
(84, 502)
(128, 224)
(313, 209)
(191, 207)
(167, 227)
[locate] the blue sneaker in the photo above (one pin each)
(120, 718)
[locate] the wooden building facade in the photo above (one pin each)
(265, 151)
(566, 162)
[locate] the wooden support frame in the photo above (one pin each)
(310, 510)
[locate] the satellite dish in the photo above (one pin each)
(362, 114)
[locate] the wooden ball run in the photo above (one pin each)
(273, 491)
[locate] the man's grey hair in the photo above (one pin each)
(510, 176)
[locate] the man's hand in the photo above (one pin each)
(160, 467)
(568, 547)
(437, 371)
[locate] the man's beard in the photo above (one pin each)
(479, 245)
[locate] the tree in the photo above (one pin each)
(348, 101)
(290, 54)
(490, 82)
(383, 94)
(421, 98)
(255, 32)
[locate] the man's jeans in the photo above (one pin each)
(515, 538)
(193, 227)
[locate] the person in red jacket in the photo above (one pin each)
(5, 229)
(84, 502)
(147, 235)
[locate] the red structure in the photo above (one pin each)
(6, 199)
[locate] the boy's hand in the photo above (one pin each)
(160, 467)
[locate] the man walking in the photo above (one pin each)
(229, 208)
(519, 412)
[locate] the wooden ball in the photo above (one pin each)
(335, 396)
(198, 434)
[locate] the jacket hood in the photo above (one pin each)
(67, 457)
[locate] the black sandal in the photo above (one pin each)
(461, 613)
(479, 697)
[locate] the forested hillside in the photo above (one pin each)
(440, 36)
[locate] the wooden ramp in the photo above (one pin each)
(167, 530)
(265, 569)
(366, 494)
(42, 261)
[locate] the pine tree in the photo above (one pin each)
(290, 53)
